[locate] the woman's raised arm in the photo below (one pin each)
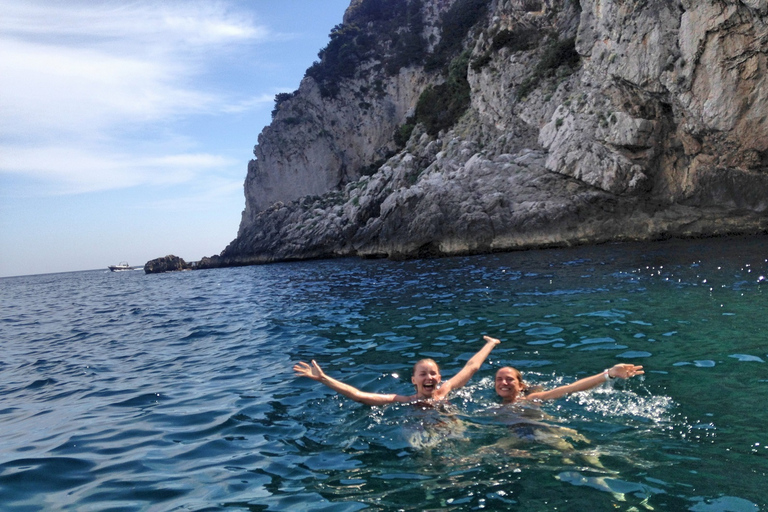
(466, 373)
(622, 371)
(314, 372)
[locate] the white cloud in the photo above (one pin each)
(78, 79)
(216, 191)
(54, 92)
(134, 24)
(78, 170)
(251, 103)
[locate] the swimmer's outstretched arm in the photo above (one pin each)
(622, 371)
(314, 372)
(466, 373)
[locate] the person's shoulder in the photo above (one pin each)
(534, 396)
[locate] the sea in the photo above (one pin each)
(121, 391)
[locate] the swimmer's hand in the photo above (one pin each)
(491, 340)
(624, 371)
(313, 372)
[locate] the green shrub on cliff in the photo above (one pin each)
(518, 40)
(455, 25)
(440, 106)
(398, 25)
(280, 98)
(558, 53)
(340, 58)
(403, 132)
(391, 32)
(385, 30)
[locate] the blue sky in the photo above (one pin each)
(126, 127)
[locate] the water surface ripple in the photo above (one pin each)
(122, 391)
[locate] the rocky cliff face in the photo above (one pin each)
(506, 124)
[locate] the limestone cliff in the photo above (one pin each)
(436, 127)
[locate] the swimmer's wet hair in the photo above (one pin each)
(425, 360)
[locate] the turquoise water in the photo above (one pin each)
(122, 391)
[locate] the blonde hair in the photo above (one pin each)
(425, 360)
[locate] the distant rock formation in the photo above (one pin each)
(168, 263)
(441, 127)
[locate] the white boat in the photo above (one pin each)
(123, 265)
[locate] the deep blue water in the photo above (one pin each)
(123, 391)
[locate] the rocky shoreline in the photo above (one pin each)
(577, 122)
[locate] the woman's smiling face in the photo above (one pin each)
(426, 378)
(508, 384)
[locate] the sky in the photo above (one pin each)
(126, 127)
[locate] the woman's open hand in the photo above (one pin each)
(313, 372)
(625, 371)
